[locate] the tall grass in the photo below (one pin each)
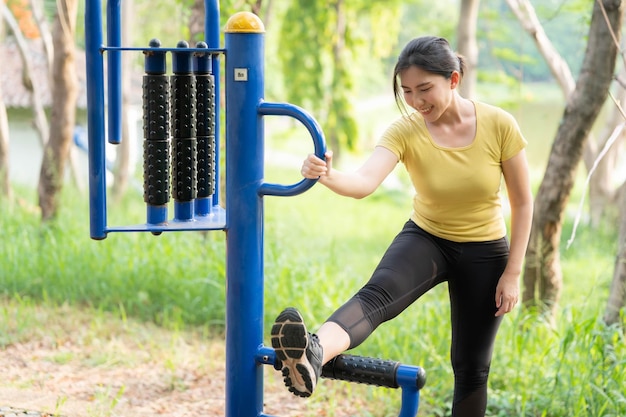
(319, 249)
(173, 279)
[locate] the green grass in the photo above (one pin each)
(319, 249)
(173, 279)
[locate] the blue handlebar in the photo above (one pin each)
(285, 109)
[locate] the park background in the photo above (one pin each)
(75, 308)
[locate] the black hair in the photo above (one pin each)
(430, 53)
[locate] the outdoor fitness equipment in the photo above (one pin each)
(181, 145)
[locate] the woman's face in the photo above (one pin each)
(428, 93)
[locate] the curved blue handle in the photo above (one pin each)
(285, 109)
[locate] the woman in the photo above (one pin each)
(455, 151)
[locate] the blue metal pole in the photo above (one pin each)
(95, 118)
(244, 41)
(212, 35)
(114, 68)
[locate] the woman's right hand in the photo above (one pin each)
(313, 167)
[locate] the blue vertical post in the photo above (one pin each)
(114, 68)
(212, 34)
(244, 40)
(95, 117)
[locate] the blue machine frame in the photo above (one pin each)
(242, 220)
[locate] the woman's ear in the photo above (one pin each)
(455, 79)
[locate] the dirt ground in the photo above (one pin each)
(37, 379)
(91, 369)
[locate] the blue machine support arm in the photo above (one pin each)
(284, 109)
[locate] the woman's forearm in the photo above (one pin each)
(521, 221)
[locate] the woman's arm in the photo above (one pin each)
(358, 184)
(517, 180)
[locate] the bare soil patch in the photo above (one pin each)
(69, 363)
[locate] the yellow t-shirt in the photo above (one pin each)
(457, 190)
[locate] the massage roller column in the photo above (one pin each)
(156, 131)
(183, 134)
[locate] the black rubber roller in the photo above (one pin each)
(156, 95)
(206, 166)
(156, 172)
(205, 105)
(183, 106)
(184, 169)
(372, 371)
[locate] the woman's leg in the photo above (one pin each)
(333, 339)
(413, 264)
(472, 284)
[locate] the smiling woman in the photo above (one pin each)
(456, 152)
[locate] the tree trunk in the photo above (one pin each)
(37, 7)
(40, 119)
(466, 45)
(338, 46)
(525, 13)
(63, 116)
(600, 191)
(617, 294)
(5, 179)
(196, 22)
(543, 275)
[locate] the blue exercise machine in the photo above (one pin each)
(181, 162)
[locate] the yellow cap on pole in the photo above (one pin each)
(244, 22)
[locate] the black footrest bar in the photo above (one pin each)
(384, 373)
(363, 370)
(373, 371)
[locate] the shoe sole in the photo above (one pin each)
(289, 340)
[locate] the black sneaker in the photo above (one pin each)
(299, 352)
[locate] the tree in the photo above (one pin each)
(466, 45)
(40, 118)
(525, 13)
(43, 29)
(63, 114)
(5, 179)
(603, 195)
(542, 274)
(318, 56)
(617, 294)
(600, 189)
(5, 182)
(196, 22)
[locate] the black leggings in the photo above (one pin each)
(417, 261)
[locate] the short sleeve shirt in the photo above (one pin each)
(457, 190)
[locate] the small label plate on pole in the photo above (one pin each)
(241, 74)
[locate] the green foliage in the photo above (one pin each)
(172, 279)
(579, 365)
(317, 48)
(505, 46)
(167, 22)
(306, 28)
